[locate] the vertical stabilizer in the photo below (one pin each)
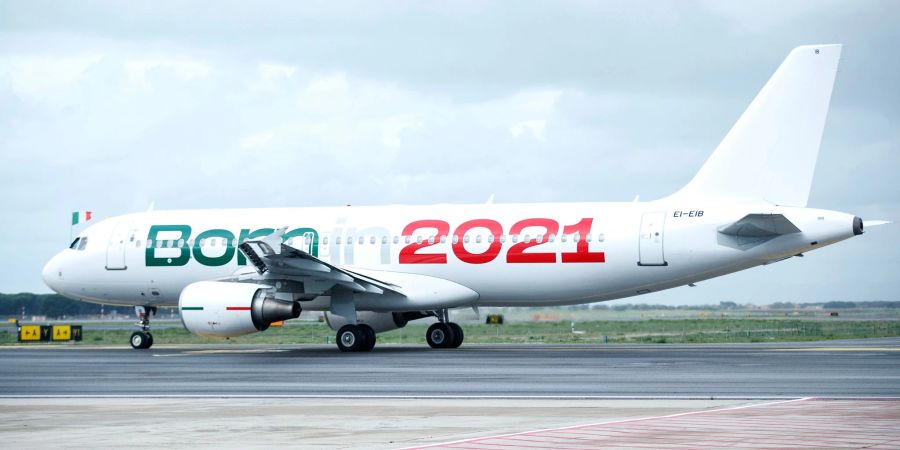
(770, 153)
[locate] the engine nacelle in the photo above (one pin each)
(225, 309)
(379, 321)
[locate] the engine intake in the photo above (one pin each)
(226, 309)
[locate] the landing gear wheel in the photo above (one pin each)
(369, 333)
(440, 335)
(350, 338)
(458, 335)
(141, 340)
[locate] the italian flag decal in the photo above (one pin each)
(78, 215)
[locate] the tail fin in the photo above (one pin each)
(770, 153)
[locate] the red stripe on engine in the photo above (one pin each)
(237, 308)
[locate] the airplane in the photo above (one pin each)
(232, 272)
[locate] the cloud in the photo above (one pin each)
(39, 76)
(535, 128)
(109, 108)
(141, 71)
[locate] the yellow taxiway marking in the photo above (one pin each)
(839, 349)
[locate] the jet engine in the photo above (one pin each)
(379, 321)
(226, 309)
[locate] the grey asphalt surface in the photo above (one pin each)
(852, 368)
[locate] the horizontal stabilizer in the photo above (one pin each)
(755, 229)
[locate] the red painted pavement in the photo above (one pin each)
(812, 423)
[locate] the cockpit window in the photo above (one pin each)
(74, 243)
(82, 243)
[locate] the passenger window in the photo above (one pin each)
(490, 239)
(539, 238)
(515, 238)
(527, 238)
(396, 239)
(576, 237)
(337, 240)
(82, 243)
(443, 239)
(325, 240)
(478, 239)
(562, 238)
(466, 239)
(74, 243)
(149, 243)
(383, 240)
(587, 237)
(361, 240)
(137, 243)
(601, 237)
(502, 238)
(180, 243)
(456, 239)
(372, 240)
(552, 237)
(407, 239)
(418, 239)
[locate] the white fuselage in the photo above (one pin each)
(514, 255)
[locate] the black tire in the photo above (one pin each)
(140, 340)
(149, 340)
(440, 335)
(369, 333)
(350, 338)
(458, 335)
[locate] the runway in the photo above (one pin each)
(478, 396)
(853, 368)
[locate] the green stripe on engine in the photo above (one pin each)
(192, 308)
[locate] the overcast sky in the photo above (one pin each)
(109, 106)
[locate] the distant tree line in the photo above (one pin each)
(53, 306)
(733, 306)
(56, 306)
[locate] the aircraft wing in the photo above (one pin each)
(275, 260)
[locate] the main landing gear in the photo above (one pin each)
(143, 339)
(356, 338)
(444, 334)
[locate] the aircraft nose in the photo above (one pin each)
(51, 273)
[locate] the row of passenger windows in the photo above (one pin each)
(478, 238)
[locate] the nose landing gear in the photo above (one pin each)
(143, 339)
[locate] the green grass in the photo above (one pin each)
(716, 330)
